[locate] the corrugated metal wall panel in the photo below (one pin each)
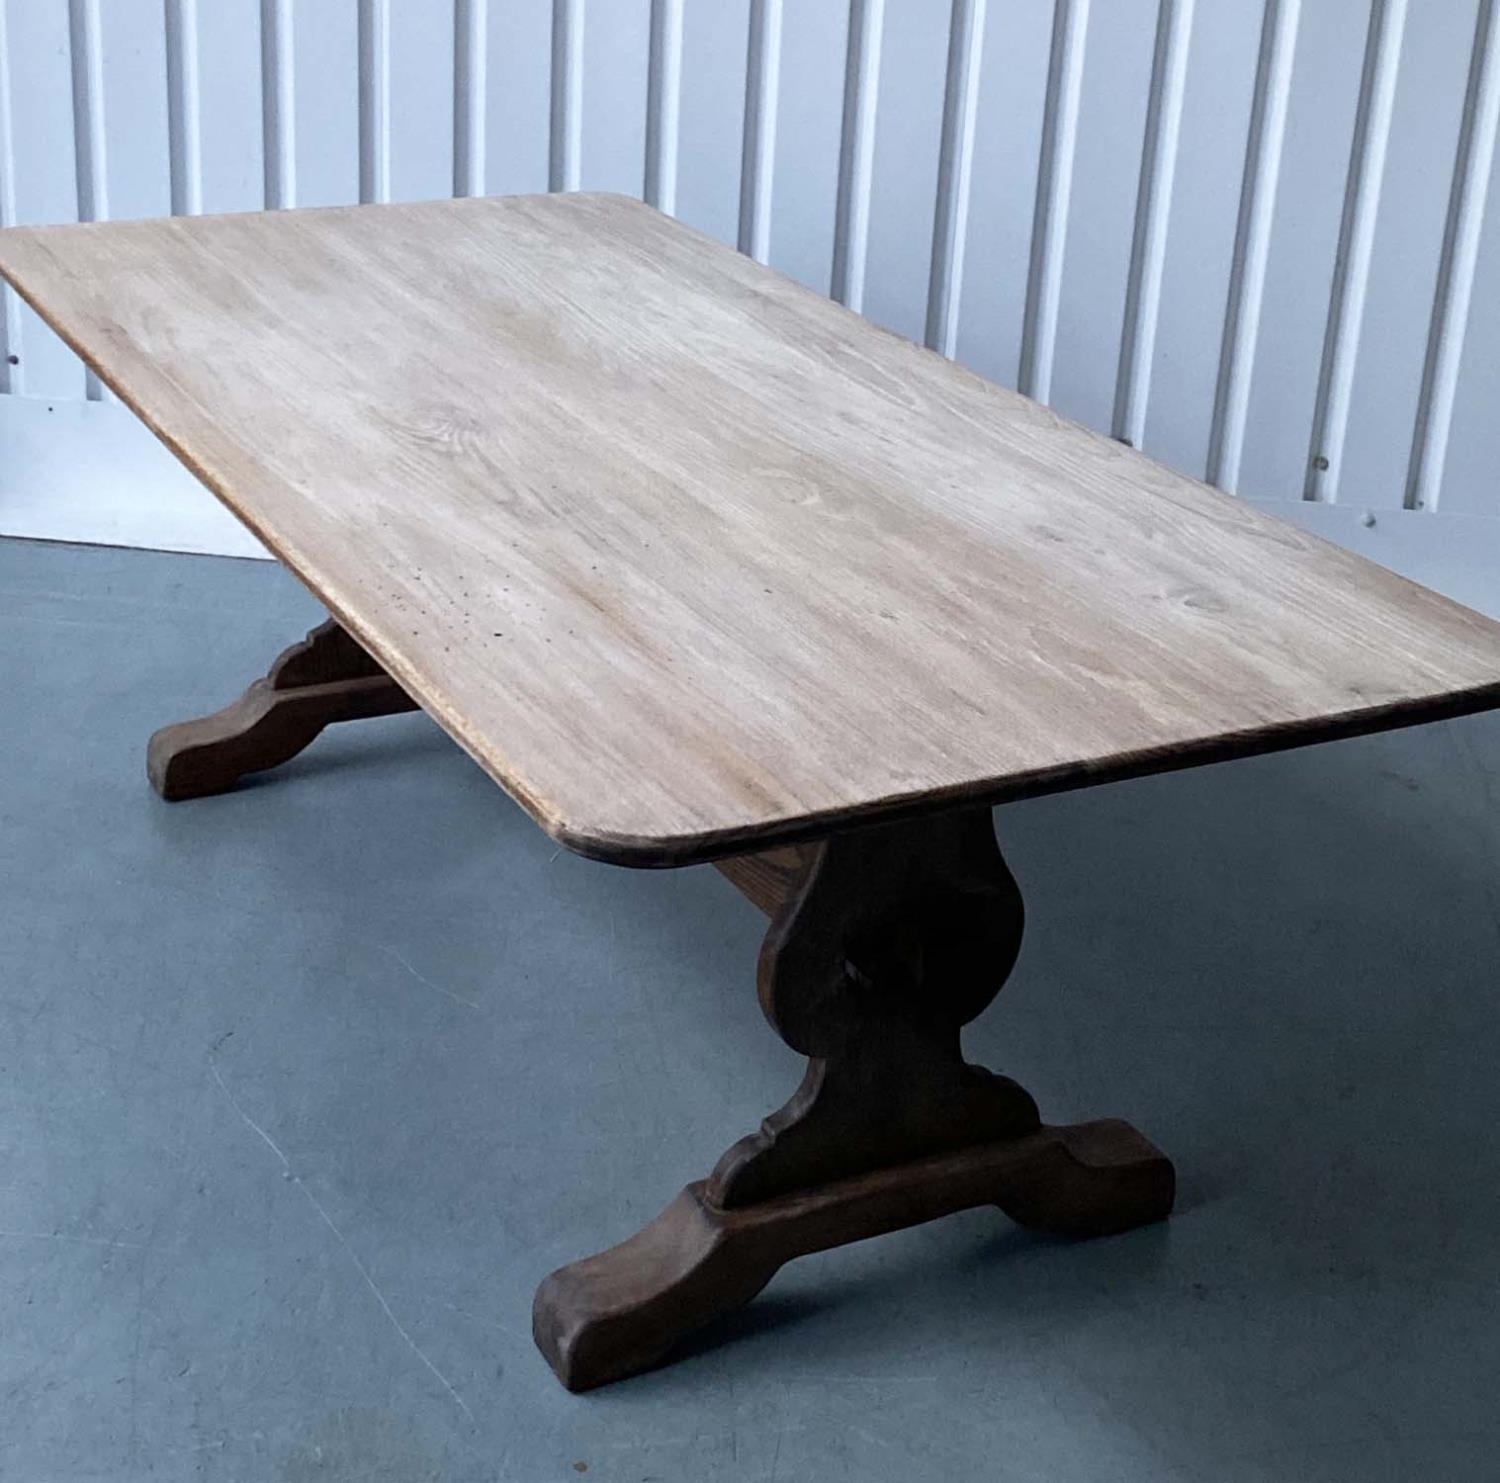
(1255, 236)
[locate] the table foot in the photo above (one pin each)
(327, 677)
(624, 1310)
(882, 944)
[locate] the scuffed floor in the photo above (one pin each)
(304, 1088)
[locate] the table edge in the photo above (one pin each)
(665, 851)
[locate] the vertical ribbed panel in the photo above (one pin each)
(374, 100)
(762, 81)
(1351, 274)
(184, 130)
(663, 104)
(1148, 247)
(566, 150)
(851, 228)
(12, 374)
(470, 91)
(955, 175)
(1247, 277)
(1054, 190)
(278, 103)
(1450, 320)
(89, 161)
(1272, 309)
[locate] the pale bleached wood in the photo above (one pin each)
(692, 560)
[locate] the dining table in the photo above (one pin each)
(701, 567)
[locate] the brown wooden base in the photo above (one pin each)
(624, 1310)
(327, 677)
(882, 944)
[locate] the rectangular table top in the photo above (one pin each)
(693, 560)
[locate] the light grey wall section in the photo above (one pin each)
(1257, 237)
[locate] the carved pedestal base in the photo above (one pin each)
(882, 945)
(327, 677)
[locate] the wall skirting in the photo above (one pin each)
(90, 472)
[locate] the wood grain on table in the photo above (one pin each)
(691, 559)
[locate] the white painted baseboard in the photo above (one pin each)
(90, 472)
(1458, 555)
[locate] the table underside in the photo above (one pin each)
(882, 943)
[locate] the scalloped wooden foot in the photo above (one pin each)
(327, 677)
(882, 944)
(624, 1310)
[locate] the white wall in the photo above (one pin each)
(1257, 237)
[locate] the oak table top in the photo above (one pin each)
(692, 560)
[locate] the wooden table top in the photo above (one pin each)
(693, 560)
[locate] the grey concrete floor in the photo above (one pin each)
(304, 1088)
